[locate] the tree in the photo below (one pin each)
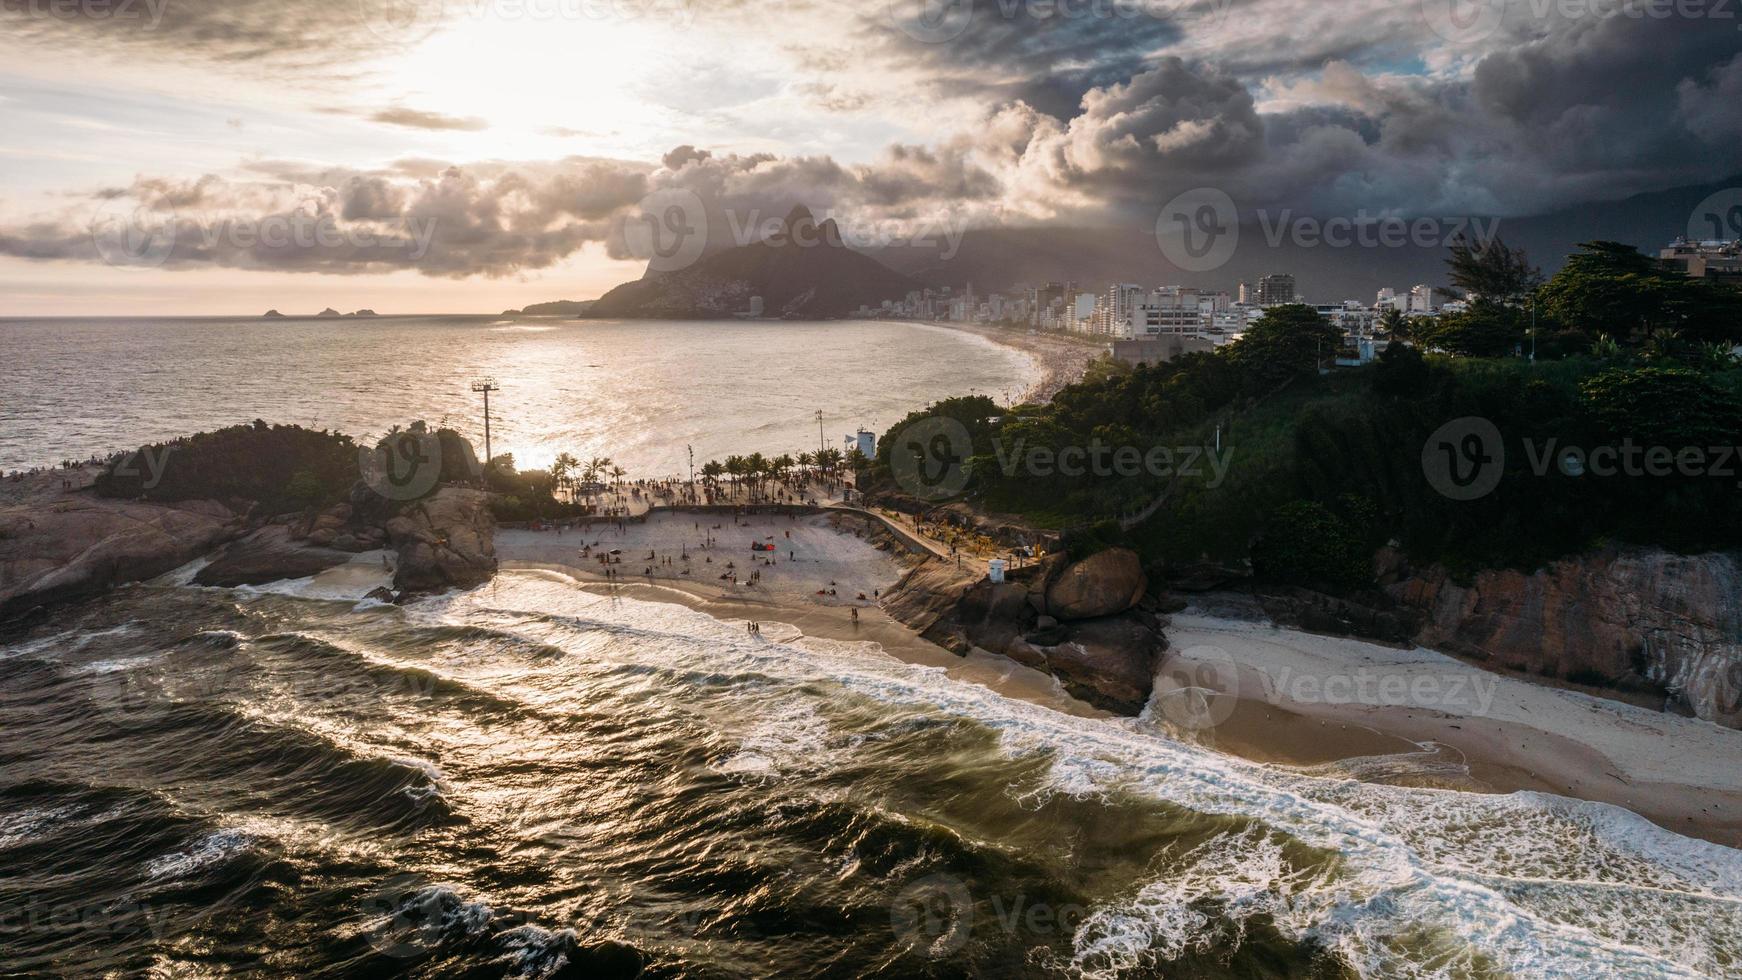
(1289, 341)
(1486, 329)
(1391, 322)
(1663, 406)
(1495, 272)
(1609, 287)
(564, 465)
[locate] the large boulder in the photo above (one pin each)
(446, 540)
(1110, 663)
(267, 555)
(1104, 584)
(57, 548)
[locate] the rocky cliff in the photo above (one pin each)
(1635, 619)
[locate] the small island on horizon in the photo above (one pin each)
(327, 314)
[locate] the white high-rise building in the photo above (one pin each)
(1422, 299)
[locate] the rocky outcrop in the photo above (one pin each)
(1110, 662)
(1104, 584)
(1108, 659)
(1632, 619)
(445, 540)
(58, 548)
(267, 555)
(927, 593)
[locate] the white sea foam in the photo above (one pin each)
(1428, 881)
(23, 826)
(214, 848)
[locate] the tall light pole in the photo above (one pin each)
(822, 442)
(485, 386)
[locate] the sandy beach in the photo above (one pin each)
(1059, 360)
(1336, 706)
(1305, 699)
(822, 552)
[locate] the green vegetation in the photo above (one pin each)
(283, 467)
(1623, 430)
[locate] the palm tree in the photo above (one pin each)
(828, 460)
(756, 465)
(780, 465)
(712, 471)
(617, 474)
(734, 469)
(561, 469)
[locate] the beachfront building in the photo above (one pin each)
(1715, 259)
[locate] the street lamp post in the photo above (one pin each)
(486, 385)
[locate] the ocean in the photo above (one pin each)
(638, 392)
(532, 779)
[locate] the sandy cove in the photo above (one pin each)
(1342, 707)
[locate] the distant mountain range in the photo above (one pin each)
(802, 270)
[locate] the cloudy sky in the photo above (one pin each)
(472, 155)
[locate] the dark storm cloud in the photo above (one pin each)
(1047, 53)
